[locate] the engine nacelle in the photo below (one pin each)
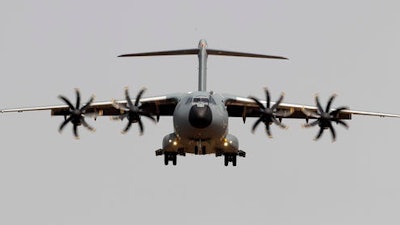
(171, 143)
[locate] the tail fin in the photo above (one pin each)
(202, 53)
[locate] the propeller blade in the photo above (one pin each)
(275, 106)
(133, 112)
(342, 123)
(141, 129)
(76, 113)
(128, 126)
(335, 112)
(268, 114)
(128, 98)
(328, 106)
(148, 115)
(325, 118)
(64, 123)
(75, 130)
(78, 98)
(256, 124)
(72, 107)
(320, 110)
(321, 130)
(268, 97)
(139, 96)
(85, 124)
(278, 123)
(260, 105)
(333, 132)
(268, 130)
(87, 105)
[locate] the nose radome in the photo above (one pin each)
(200, 117)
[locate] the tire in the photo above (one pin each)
(174, 157)
(234, 160)
(166, 159)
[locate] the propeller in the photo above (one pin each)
(269, 114)
(76, 114)
(133, 111)
(325, 117)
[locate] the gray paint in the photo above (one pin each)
(202, 66)
(345, 47)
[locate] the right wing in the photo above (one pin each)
(158, 105)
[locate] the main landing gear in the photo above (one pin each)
(232, 157)
(170, 156)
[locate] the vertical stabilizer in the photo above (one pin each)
(202, 65)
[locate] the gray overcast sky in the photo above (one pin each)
(350, 48)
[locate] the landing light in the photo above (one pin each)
(173, 142)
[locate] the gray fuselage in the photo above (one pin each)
(201, 116)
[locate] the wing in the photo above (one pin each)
(246, 107)
(158, 105)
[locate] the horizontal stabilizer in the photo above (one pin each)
(242, 54)
(196, 51)
(193, 51)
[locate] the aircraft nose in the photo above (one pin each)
(200, 117)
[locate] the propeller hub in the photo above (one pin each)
(76, 112)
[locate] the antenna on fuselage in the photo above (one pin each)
(202, 53)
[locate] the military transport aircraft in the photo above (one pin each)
(200, 118)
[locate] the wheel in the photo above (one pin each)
(166, 159)
(174, 156)
(226, 160)
(196, 150)
(234, 158)
(203, 150)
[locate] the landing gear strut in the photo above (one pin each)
(170, 157)
(230, 157)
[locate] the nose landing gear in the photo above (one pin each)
(202, 152)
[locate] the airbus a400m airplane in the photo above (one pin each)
(200, 118)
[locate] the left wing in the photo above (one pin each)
(131, 109)
(246, 107)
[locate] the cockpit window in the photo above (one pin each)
(201, 100)
(212, 101)
(189, 100)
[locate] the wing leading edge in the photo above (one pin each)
(245, 107)
(158, 105)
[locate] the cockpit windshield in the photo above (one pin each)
(201, 100)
